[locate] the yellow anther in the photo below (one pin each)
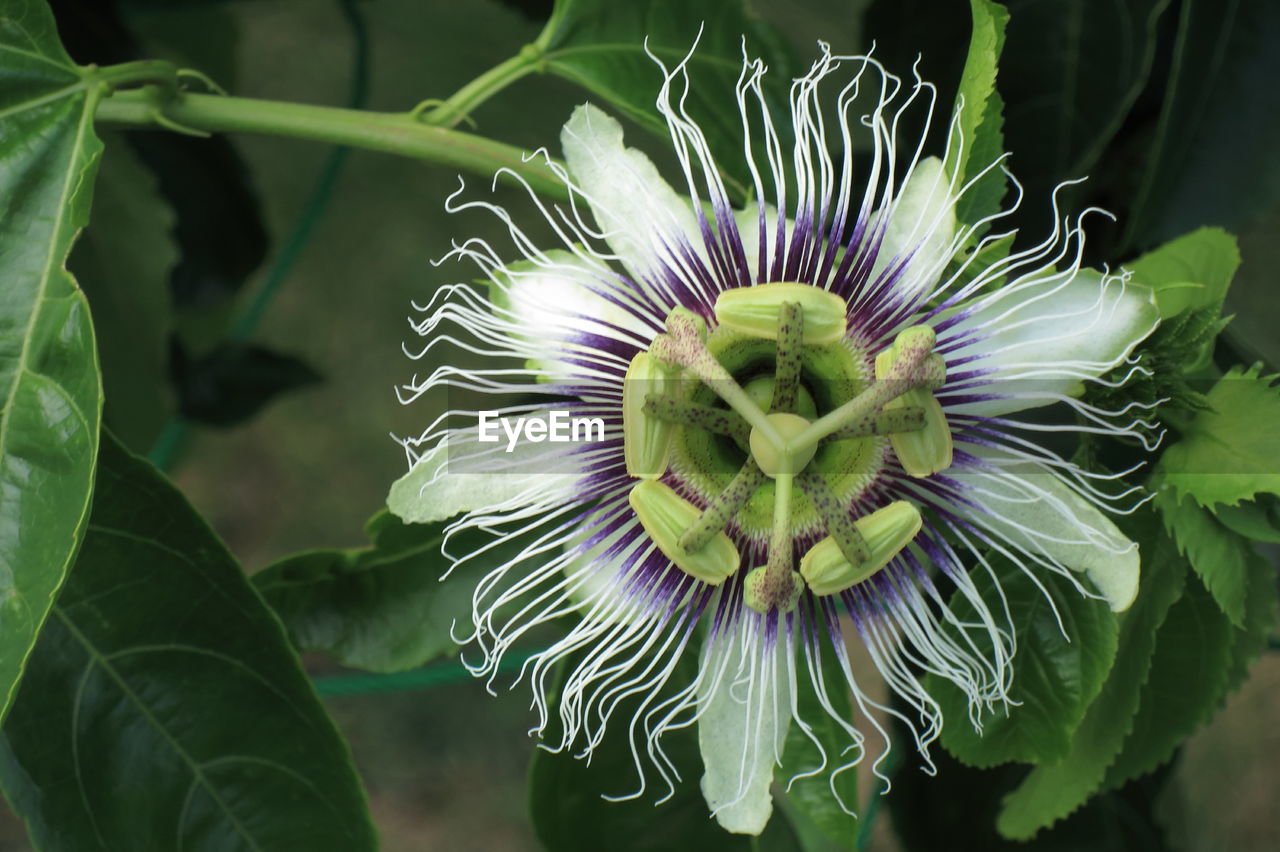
(665, 515)
(754, 310)
(887, 531)
(929, 449)
(646, 440)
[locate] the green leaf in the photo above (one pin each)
(1193, 271)
(1259, 620)
(1055, 676)
(1212, 159)
(980, 116)
(1051, 792)
(1186, 684)
(122, 262)
(1256, 519)
(812, 800)
(1070, 73)
(1218, 555)
(1232, 452)
(600, 45)
(570, 815)
(50, 389)
(383, 608)
(163, 709)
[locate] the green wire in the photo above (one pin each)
(427, 677)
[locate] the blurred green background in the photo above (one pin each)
(445, 767)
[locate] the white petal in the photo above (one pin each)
(1047, 339)
(743, 728)
(597, 575)
(550, 303)
(641, 215)
(475, 478)
(1042, 515)
(923, 219)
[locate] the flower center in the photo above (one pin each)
(777, 423)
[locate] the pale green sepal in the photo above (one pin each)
(1045, 340)
(922, 219)
(1043, 515)
(755, 310)
(429, 493)
(665, 516)
(646, 440)
(887, 531)
(640, 214)
(742, 732)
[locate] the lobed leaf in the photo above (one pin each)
(1232, 452)
(1218, 555)
(1186, 684)
(123, 262)
(1066, 646)
(1052, 791)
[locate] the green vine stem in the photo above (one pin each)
(394, 133)
(461, 103)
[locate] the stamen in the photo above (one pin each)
(665, 515)
(887, 531)
(646, 441)
(787, 364)
(928, 450)
(754, 310)
(775, 585)
(891, 421)
(685, 344)
(715, 420)
(835, 516)
(910, 365)
(723, 507)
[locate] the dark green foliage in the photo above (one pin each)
(50, 386)
(163, 708)
(234, 381)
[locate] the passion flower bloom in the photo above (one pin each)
(806, 432)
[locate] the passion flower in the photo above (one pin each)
(808, 431)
